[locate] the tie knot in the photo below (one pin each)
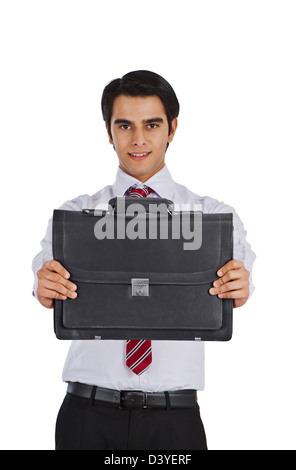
(139, 192)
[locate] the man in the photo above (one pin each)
(140, 111)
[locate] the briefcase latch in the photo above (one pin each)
(140, 287)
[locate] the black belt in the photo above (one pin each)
(133, 398)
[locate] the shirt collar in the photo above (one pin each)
(162, 183)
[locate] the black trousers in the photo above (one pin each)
(91, 425)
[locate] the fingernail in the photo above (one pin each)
(73, 295)
(217, 283)
(212, 291)
(73, 287)
(220, 273)
(67, 275)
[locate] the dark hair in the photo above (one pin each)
(140, 83)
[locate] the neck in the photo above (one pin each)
(146, 177)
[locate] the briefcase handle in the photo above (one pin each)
(120, 204)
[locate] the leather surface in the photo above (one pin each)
(135, 399)
(178, 307)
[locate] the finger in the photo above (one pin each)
(229, 276)
(51, 294)
(55, 266)
(60, 289)
(233, 264)
(46, 287)
(229, 286)
(235, 294)
(55, 277)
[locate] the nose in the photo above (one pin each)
(138, 139)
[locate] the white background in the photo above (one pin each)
(232, 65)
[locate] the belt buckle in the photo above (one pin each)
(133, 399)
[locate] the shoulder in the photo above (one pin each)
(86, 201)
(208, 204)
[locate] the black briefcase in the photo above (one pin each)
(143, 270)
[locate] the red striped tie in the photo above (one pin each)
(138, 352)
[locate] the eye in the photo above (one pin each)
(125, 127)
(152, 126)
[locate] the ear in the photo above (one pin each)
(109, 136)
(173, 130)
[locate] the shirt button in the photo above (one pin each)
(145, 381)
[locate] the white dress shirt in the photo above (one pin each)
(175, 364)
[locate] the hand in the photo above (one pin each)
(233, 283)
(53, 284)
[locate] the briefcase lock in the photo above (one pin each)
(140, 287)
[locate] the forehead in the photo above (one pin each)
(137, 108)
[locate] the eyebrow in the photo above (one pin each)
(145, 121)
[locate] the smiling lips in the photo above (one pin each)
(139, 156)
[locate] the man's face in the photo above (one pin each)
(140, 129)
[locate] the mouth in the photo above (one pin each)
(139, 156)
